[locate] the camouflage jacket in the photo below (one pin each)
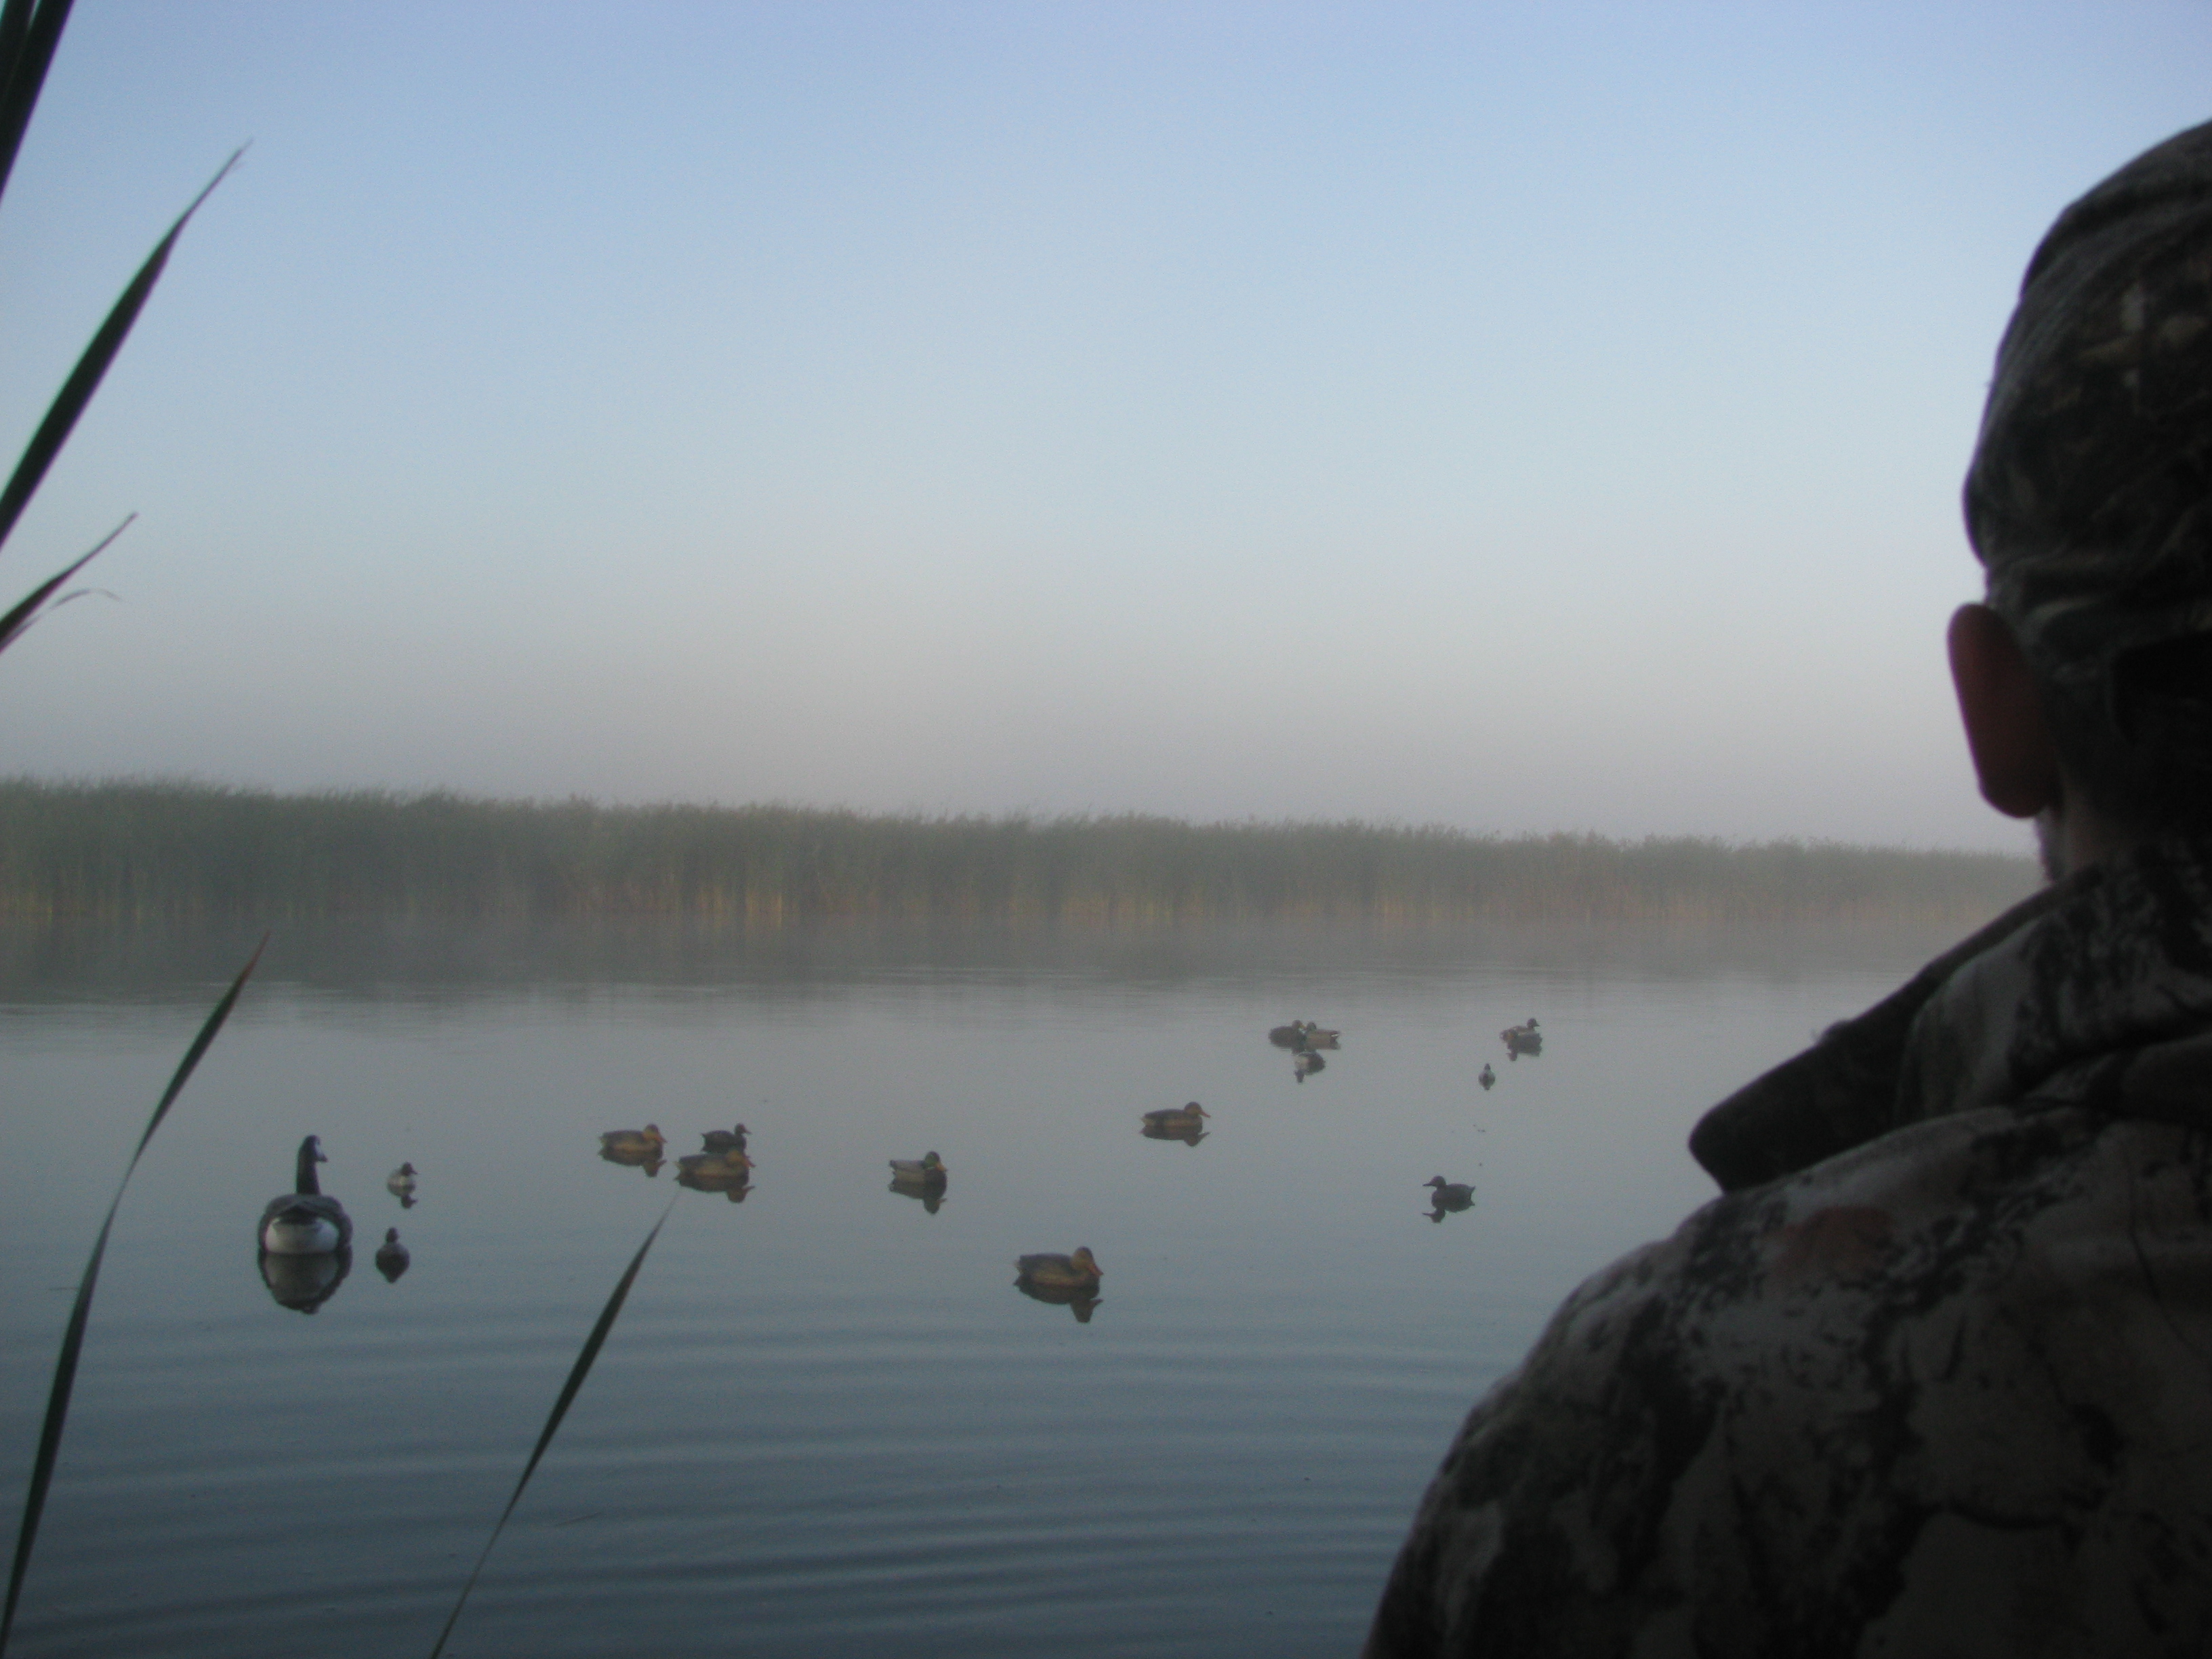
(1934, 1375)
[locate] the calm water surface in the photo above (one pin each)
(828, 1422)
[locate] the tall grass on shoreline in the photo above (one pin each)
(151, 851)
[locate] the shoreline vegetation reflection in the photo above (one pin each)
(149, 851)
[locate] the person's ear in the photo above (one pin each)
(2015, 761)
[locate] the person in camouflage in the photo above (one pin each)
(1933, 1374)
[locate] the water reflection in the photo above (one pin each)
(1183, 1123)
(1081, 1300)
(1305, 1063)
(1448, 1198)
(929, 1194)
(648, 1161)
(391, 1257)
(304, 1283)
(729, 1174)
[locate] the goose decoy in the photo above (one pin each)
(400, 1183)
(303, 1222)
(1450, 1195)
(634, 1143)
(928, 1170)
(1317, 1038)
(1172, 1119)
(1489, 1078)
(391, 1257)
(1305, 1063)
(1064, 1272)
(724, 1140)
(304, 1283)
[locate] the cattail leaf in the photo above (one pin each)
(26, 613)
(577, 1373)
(29, 31)
(84, 379)
(57, 1398)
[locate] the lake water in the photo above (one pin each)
(828, 1422)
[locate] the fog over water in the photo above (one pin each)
(1522, 418)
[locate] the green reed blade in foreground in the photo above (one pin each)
(29, 31)
(57, 1402)
(84, 379)
(568, 1389)
(27, 612)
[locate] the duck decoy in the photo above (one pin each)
(631, 1143)
(1173, 1120)
(303, 1222)
(1305, 1063)
(724, 1140)
(1318, 1038)
(1450, 1195)
(1067, 1273)
(400, 1183)
(731, 1164)
(928, 1170)
(1292, 1035)
(1522, 1039)
(391, 1257)
(1489, 1078)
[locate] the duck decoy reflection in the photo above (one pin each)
(1489, 1078)
(391, 1257)
(648, 1161)
(634, 1143)
(1305, 1063)
(400, 1183)
(730, 1175)
(928, 1169)
(304, 1283)
(930, 1195)
(1450, 1194)
(304, 1222)
(1081, 1300)
(1061, 1272)
(1183, 1123)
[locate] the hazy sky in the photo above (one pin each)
(1518, 416)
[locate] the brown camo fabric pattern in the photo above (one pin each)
(1947, 1391)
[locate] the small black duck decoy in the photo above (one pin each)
(391, 1257)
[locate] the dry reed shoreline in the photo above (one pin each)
(138, 851)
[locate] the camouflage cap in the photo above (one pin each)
(2089, 499)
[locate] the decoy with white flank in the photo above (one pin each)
(928, 1170)
(634, 1143)
(391, 1257)
(1065, 1273)
(303, 1222)
(400, 1183)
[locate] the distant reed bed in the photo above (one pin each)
(152, 851)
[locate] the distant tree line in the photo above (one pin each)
(143, 851)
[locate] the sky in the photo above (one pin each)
(1521, 417)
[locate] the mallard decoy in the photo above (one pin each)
(1305, 1063)
(928, 1169)
(1292, 1035)
(1061, 1272)
(1178, 1117)
(1450, 1195)
(400, 1183)
(391, 1257)
(724, 1140)
(634, 1143)
(1489, 1078)
(303, 1222)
